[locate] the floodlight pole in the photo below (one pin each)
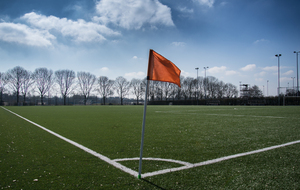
(278, 55)
(297, 71)
(267, 88)
(197, 85)
(205, 80)
(293, 84)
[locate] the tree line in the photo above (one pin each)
(21, 82)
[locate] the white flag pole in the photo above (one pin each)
(143, 129)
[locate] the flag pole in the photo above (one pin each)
(144, 117)
(143, 130)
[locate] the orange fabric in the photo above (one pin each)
(161, 69)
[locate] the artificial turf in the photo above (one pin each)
(32, 158)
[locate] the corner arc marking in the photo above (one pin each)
(155, 159)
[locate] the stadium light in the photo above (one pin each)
(205, 81)
(278, 55)
(197, 84)
(267, 87)
(293, 84)
(296, 52)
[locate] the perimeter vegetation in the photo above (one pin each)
(31, 158)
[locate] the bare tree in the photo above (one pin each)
(231, 90)
(212, 86)
(221, 89)
(200, 87)
(105, 87)
(43, 80)
(86, 82)
(15, 78)
(166, 90)
(65, 80)
(255, 92)
(152, 88)
(178, 92)
(122, 87)
(157, 90)
(26, 83)
(188, 87)
(3, 82)
(138, 89)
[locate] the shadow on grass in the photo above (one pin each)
(153, 184)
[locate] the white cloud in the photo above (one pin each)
(20, 33)
(231, 73)
(185, 74)
(222, 70)
(208, 3)
(224, 3)
(261, 74)
(139, 75)
(261, 40)
(249, 67)
(104, 69)
(285, 79)
(186, 10)
(79, 30)
(272, 68)
(133, 14)
(178, 44)
(288, 72)
(215, 70)
(134, 57)
(259, 79)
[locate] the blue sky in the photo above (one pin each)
(236, 39)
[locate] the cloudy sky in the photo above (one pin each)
(236, 39)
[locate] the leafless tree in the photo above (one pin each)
(122, 87)
(138, 88)
(152, 89)
(231, 90)
(43, 80)
(212, 86)
(200, 87)
(15, 78)
(220, 89)
(66, 80)
(3, 82)
(178, 91)
(26, 83)
(86, 82)
(255, 92)
(157, 90)
(105, 87)
(166, 89)
(188, 87)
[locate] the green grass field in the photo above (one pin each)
(31, 158)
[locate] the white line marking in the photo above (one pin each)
(184, 113)
(155, 159)
(217, 160)
(149, 174)
(246, 115)
(104, 158)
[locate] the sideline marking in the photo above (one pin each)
(183, 113)
(149, 174)
(155, 159)
(247, 116)
(104, 158)
(217, 160)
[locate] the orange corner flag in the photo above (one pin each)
(161, 69)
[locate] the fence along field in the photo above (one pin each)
(190, 134)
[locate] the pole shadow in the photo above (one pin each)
(153, 184)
